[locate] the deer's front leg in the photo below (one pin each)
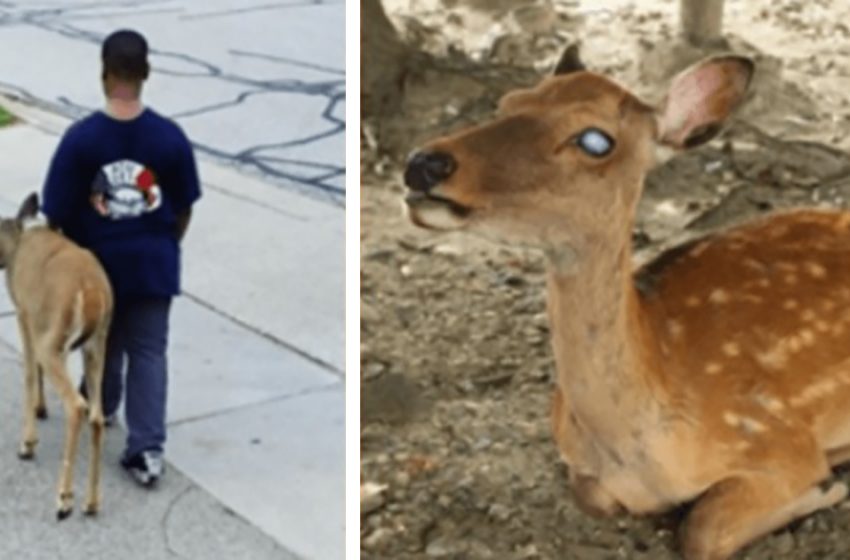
(590, 496)
(29, 437)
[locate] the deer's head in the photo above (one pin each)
(11, 228)
(564, 162)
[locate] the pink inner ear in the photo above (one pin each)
(704, 95)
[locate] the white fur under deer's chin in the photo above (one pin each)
(433, 214)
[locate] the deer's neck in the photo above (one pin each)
(597, 334)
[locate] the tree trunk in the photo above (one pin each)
(702, 21)
(383, 61)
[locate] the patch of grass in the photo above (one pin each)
(6, 118)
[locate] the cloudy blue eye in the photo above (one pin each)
(594, 142)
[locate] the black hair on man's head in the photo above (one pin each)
(125, 56)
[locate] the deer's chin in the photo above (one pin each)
(433, 212)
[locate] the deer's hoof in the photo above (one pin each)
(41, 413)
(66, 505)
(27, 450)
(91, 509)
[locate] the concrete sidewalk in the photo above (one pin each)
(256, 395)
(178, 520)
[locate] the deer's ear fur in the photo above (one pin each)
(29, 208)
(569, 61)
(701, 99)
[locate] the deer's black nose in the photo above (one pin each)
(425, 170)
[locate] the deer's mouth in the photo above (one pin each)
(434, 211)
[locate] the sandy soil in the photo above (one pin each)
(456, 367)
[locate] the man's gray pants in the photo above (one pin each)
(136, 365)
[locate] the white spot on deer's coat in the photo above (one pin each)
(713, 368)
(794, 343)
(752, 426)
(699, 249)
(719, 296)
(814, 392)
(731, 349)
(754, 265)
(770, 403)
(815, 270)
(748, 425)
(775, 358)
(675, 328)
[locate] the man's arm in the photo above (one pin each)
(183, 223)
(58, 199)
(187, 187)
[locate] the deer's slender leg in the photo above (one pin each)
(29, 438)
(736, 511)
(40, 403)
(93, 359)
(75, 409)
(589, 495)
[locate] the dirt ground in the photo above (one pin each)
(457, 372)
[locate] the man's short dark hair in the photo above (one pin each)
(125, 56)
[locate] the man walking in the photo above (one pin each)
(122, 183)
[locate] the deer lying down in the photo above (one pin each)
(63, 301)
(718, 373)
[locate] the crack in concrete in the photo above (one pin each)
(289, 61)
(264, 7)
(195, 486)
(166, 516)
(54, 20)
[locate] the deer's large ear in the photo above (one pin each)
(29, 208)
(701, 99)
(569, 61)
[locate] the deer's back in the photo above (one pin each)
(50, 271)
(755, 323)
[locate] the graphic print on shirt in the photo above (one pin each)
(125, 189)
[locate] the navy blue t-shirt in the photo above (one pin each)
(116, 187)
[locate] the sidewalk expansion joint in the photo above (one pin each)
(263, 402)
(242, 198)
(268, 336)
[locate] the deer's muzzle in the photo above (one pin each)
(426, 170)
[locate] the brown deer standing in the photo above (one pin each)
(719, 372)
(63, 301)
